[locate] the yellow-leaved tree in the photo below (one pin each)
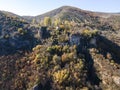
(47, 21)
(57, 21)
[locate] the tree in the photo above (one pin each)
(47, 21)
(57, 21)
(34, 21)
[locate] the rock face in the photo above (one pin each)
(75, 39)
(116, 80)
(82, 41)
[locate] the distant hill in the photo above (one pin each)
(75, 14)
(81, 16)
(65, 12)
(71, 12)
(10, 14)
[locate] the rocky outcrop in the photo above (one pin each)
(75, 39)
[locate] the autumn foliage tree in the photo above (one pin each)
(47, 21)
(57, 21)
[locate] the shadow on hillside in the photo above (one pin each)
(47, 86)
(13, 52)
(109, 46)
(92, 76)
(8, 49)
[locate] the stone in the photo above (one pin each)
(75, 39)
(93, 41)
(116, 80)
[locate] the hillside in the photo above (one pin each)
(60, 12)
(10, 14)
(93, 19)
(65, 12)
(79, 53)
(14, 33)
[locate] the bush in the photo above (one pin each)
(90, 33)
(21, 31)
(47, 21)
(65, 57)
(61, 76)
(56, 59)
